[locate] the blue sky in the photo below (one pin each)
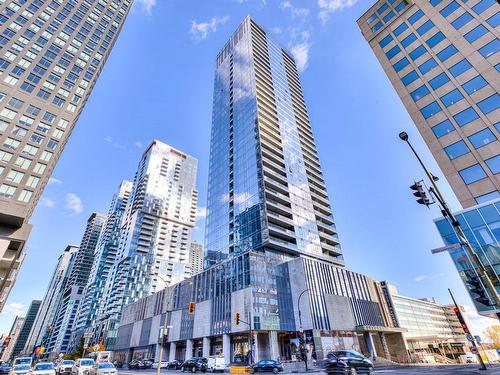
(158, 83)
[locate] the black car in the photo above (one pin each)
(266, 365)
(136, 364)
(195, 364)
(175, 364)
(348, 362)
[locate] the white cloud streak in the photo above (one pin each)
(328, 7)
(54, 181)
(200, 30)
(201, 212)
(295, 11)
(74, 203)
(420, 278)
(14, 308)
(300, 49)
(47, 202)
(147, 5)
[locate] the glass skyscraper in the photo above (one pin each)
(266, 189)
(442, 59)
(52, 52)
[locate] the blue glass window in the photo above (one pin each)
(489, 104)
(494, 20)
(377, 26)
(417, 52)
(460, 67)
(439, 81)
(408, 40)
(482, 138)
(472, 174)
(427, 66)
(401, 5)
(452, 97)
(488, 197)
(385, 41)
(475, 33)
(483, 5)
(446, 53)
(382, 8)
(398, 30)
(447, 10)
(409, 78)
(415, 17)
(466, 116)
(420, 93)
(393, 52)
(435, 39)
(490, 49)
(494, 164)
(474, 84)
(443, 128)
(401, 64)
(372, 18)
(425, 27)
(430, 110)
(456, 150)
(388, 16)
(463, 20)
(435, 2)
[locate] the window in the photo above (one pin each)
(27, 87)
(439, 81)
(409, 78)
(417, 52)
(464, 117)
(383, 8)
(14, 176)
(23, 163)
(43, 94)
(460, 67)
(19, 132)
(11, 143)
(456, 150)
(30, 150)
(489, 104)
(446, 53)
(452, 97)
(425, 27)
(39, 168)
(449, 9)
(488, 197)
(401, 64)
(420, 93)
(25, 196)
(474, 84)
(408, 40)
(475, 33)
(401, 5)
(435, 39)
(32, 182)
(482, 138)
(16, 103)
(443, 128)
(415, 17)
(463, 20)
(46, 156)
(377, 26)
(494, 164)
(398, 30)
(3, 125)
(427, 66)
(490, 49)
(393, 52)
(483, 5)
(58, 101)
(7, 191)
(472, 174)
(430, 110)
(8, 113)
(388, 16)
(32, 110)
(5, 156)
(494, 20)
(385, 41)
(49, 117)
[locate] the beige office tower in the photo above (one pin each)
(51, 55)
(441, 57)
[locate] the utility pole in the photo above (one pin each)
(468, 334)
(491, 297)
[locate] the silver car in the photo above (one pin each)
(103, 368)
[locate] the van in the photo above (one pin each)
(216, 364)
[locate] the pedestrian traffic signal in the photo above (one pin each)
(476, 287)
(420, 193)
(460, 318)
(191, 307)
(237, 316)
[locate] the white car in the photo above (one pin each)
(64, 367)
(103, 368)
(43, 368)
(163, 364)
(20, 370)
(23, 361)
(82, 366)
(216, 364)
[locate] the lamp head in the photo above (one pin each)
(403, 136)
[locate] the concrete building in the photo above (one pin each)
(12, 337)
(155, 234)
(51, 56)
(26, 328)
(52, 299)
(196, 257)
(431, 328)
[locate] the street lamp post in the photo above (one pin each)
(300, 326)
(164, 328)
(480, 269)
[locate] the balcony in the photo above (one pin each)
(280, 232)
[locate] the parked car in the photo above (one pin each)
(135, 364)
(64, 366)
(5, 368)
(175, 364)
(147, 363)
(216, 364)
(82, 366)
(348, 362)
(195, 364)
(266, 365)
(103, 368)
(20, 370)
(23, 361)
(162, 364)
(43, 368)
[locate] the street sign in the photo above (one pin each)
(478, 339)
(474, 350)
(469, 337)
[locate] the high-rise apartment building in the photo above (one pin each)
(26, 328)
(266, 189)
(441, 57)
(43, 325)
(196, 257)
(12, 337)
(51, 55)
(155, 234)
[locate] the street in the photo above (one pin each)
(435, 370)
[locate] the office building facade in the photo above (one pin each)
(12, 337)
(441, 57)
(26, 328)
(51, 56)
(196, 257)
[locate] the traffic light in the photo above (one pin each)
(476, 287)
(237, 316)
(191, 307)
(460, 317)
(420, 193)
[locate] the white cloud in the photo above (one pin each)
(138, 144)
(201, 212)
(420, 278)
(276, 30)
(14, 308)
(478, 324)
(47, 202)
(74, 203)
(299, 47)
(112, 142)
(328, 7)
(54, 181)
(201, 30)
(108, 139)
(147, 5)
(295, 11)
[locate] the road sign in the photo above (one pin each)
(474, 350)
(478, 339)
(469, 337)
